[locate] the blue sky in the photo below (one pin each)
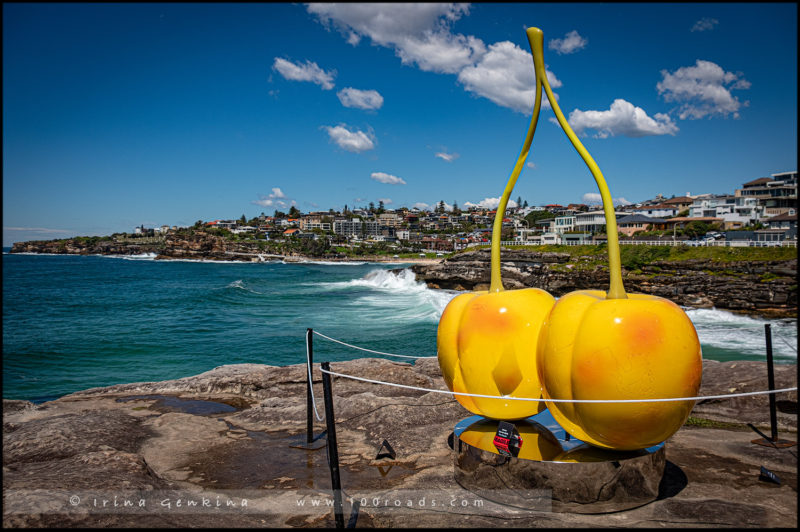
(116, 115)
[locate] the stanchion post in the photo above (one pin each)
(333, 451)
(309, 401)
(773, 416)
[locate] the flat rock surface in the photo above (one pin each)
(217, 450)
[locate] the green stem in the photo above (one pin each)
(615, 290)
(496, 284)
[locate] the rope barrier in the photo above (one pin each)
(364, 349)
(726, 396)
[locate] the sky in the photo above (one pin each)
(126, 114)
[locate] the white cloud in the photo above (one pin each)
(703, 89)
(571, 43)
(532, 166)
(354, 141)
(276, 199)
(622, 118)
(421, 206)
(490, 203)
(419, 33)
(386, 201)
(449, 157)
(310, 71)
(388, 179)
(704, 24)
(359, 99)
(505, 76)
(594, 198)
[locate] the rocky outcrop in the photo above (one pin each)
(227, 435)
(764, 287)
(73, 246)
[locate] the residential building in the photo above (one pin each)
(777, 195)
(659, 210)
(637, 222)
(390, 219)
(562, 224)
(741, 210)
(593, 221)
(782, 221)
(348, 227)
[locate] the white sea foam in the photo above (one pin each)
(745, 334)
(395, 297)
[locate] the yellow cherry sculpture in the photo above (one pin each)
(612, 345)
(486, 340)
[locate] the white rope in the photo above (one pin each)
(310, 382)
(364, 349)
(785, 342)
(726, 396)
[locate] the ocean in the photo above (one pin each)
(76, 322)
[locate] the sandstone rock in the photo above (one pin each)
(764, 287)
(153, 440)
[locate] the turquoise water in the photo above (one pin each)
(76, 322)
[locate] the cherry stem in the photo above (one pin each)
(616, 289)
(496, 283)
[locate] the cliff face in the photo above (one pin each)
(766, 287)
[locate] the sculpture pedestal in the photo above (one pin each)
(554, 472)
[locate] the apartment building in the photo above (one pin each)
(739, 211)
(777, 195)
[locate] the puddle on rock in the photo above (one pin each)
(171, 403)
(266, 461)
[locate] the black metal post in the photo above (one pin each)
(773, 416)
(309, 401)
(333, 451)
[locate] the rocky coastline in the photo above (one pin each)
(766, 288)
(227, 434)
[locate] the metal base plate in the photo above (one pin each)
(553, 471)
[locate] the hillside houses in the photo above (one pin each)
(765, 207)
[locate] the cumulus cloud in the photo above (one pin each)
(386, 201)
(505, 76)
(571, 43)
(490, 203)
(532, 166)
(449, 157)
(275, 199)
(705, 24)
(419, 33)
(388, 179)
(622, 118)
(421, 206)
(359, 99)
(594, 198)
(353, 141)
(309, 71)
(703, 89)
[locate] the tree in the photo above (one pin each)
(525, 205)
(293, 212)
(279, 214)
(381, 208)
(243, 220)
(519, 201)
(345, 209)
(371, 207)
(456, 210)
(440, 209)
